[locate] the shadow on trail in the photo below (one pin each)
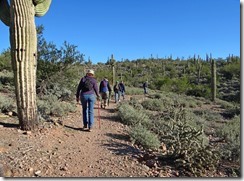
(114, 118)
(9, 125)
(70, 127)
(120, 148)
(119, 136)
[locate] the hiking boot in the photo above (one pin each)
(89, 130)
(84, 127)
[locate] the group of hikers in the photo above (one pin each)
(105, 91)
(88, 91)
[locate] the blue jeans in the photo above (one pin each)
(145, 90)
(116, 96)
(87, 102)
(122, 93)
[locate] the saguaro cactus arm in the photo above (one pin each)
(5, 12)
(41, 7)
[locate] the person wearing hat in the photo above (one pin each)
(85, 93)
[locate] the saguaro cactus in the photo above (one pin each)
(112, 63)
(213, 80)
(199, 68)
(19, 16)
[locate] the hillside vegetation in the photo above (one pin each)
(178, 121)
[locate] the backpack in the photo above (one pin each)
(104, 83)
(103, 86)
(86, 85)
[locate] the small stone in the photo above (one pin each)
(10, 113)
(37, 173)
(27, 132)
(31, 170)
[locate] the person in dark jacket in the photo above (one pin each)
(116, 92)
(105, 92)
(145, 86)
(86, 91)
(122, 89)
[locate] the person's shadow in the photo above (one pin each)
(70, 127)
(76, 129)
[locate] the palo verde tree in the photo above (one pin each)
(19, 15)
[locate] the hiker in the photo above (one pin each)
(86, 91)
(116, 92)
(122, 89)
(145, 86)
(105, 92)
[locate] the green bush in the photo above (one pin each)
(231, 70)
(6, 104)
(180, 85)
(141, 136)
(7, 78)
(50, 105)
(134, 91)
(231, 132)
(153, 104)
(130, 116)
(199, 91)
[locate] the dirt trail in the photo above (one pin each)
(66, 151)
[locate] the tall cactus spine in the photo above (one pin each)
(19, 16)
(23, 42)
(112, 62)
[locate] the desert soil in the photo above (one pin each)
(60, 148)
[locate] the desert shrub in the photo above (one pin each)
(231, 132)
(208, 115)
(141, 136)
(153, 104)
(178, 128)
(199, 103)
(192, 104)
(155, 96)
(199, 91)
(186, 143)
(225, 104)
(6, 104)
(50, 105)
(231, 70)
(180, 85)
(130, 116)
(61, 92)
(134, 91)
(6, 78)
(135, 103)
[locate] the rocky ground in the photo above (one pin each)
(60, 148)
